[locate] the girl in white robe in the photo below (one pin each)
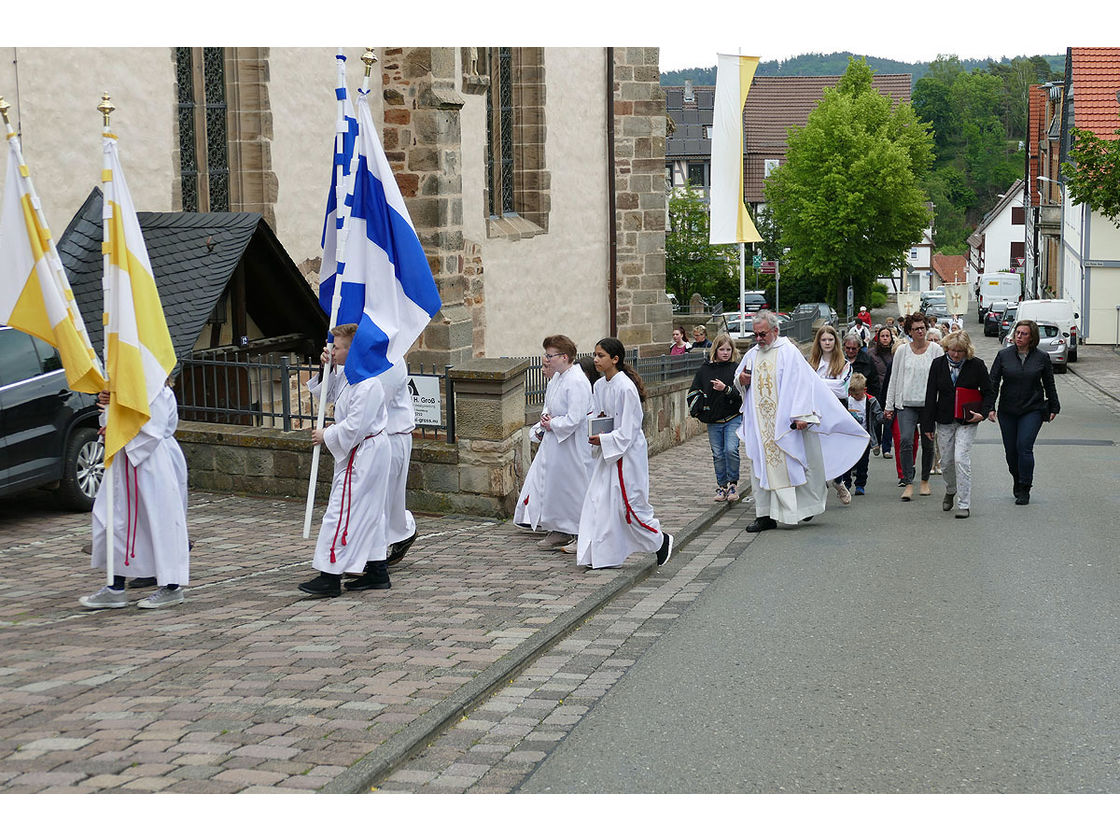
(149, 478)
(353, 530)
(616, 518)
(552, 496)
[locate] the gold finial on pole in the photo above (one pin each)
(4, 106)
(370, 59)
(106, 108)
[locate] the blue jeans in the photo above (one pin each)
(724, 440)
(1019, 432)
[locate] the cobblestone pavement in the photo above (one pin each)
(251, 687)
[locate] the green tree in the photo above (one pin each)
(1093, 173)
(849, 200)
(692, 264)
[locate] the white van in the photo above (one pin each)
(998, 286)
(1058, 311)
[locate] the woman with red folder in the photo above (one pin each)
(959, 395)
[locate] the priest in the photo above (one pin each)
(797, 434)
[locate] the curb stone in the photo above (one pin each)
(363, 774)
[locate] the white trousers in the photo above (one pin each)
(955, 441)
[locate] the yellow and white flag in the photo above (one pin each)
(35, 295)
(139, 355)
(730, 221)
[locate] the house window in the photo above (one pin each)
(1017, 216)
(517, 199)
(696, 177)
(769, 165)
(203, 135)
(913, 255)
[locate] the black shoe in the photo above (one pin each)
(1023, 497)
(666, 550)
(762, 523)
(374, 576)
(947, 502)
(401, 549)
(806, 519)
(324, 586)
(902, 482)
(141, 583)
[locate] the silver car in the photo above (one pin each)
(1051, 341)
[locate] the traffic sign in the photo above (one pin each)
(769, 267)
(757, 261)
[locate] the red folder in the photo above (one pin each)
(967, 400)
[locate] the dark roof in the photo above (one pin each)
(194, 256)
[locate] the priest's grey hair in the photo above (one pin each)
(765, 316)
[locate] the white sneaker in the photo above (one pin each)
(844, 493)
(571, 547)
(554, 540)
(162, 597)
(732, 492)
(105, 599)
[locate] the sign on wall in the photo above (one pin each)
(425, 399)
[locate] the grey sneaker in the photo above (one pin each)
(571, 547)
(162, 597)
(105, 599)
(555, 540)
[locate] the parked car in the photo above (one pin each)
(1050, 340)
(1058, 311)
(939, 311)
(1007, 321)
(993, 316)
(48, 433)
(931, 296)
(997, 286)
(822, 313)
(754, 301)
(738, 324)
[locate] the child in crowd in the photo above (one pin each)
(552, 495)
(352, 536)
(149, 478)
(868, 413)
(617, 519)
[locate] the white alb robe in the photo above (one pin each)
(552, 495)
(353, 529)
(150, 500)
(399, 522)
(789, 467)
(617, 519)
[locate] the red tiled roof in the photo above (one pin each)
(946, 266)
(1095, 76)
(1036, 133)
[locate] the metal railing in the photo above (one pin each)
(270, 390)
(652, 369)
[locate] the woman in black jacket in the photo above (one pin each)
(1028, 398)
(714, 400)
(958, 368)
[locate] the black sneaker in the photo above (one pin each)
(762, 523)
(401, 549)
(374, 576)
(141, 583)
(324, 586)
(666, 550)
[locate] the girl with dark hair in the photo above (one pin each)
(617, 519)
(906, 397)
(881, 352)
(714, 400)
(1027, 399)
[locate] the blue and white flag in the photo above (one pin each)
(387, 286)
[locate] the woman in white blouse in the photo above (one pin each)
(906, 396)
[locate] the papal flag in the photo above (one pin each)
(35, 295)
(387, 285)
(139, 353)
(730, 221)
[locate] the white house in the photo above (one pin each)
(998, 243)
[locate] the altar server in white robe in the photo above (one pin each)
(149, 478)
(552, 496)
(795, 431)
(616, 518)
(353, 529)
(400, 524)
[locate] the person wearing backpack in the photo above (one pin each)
(714, 400)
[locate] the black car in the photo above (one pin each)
(1007, 320)
(993, 316)
(48, 433)
(820, 312)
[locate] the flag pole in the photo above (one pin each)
(340, 191)
(106, 108)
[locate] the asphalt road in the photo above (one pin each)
(887, 647)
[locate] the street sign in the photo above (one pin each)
(769, 267)
(1020, 261)
(425, 400)
(757, 261)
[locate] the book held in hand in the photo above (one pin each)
(599, 426)
(967, 400)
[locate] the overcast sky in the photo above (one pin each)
(689, 34)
